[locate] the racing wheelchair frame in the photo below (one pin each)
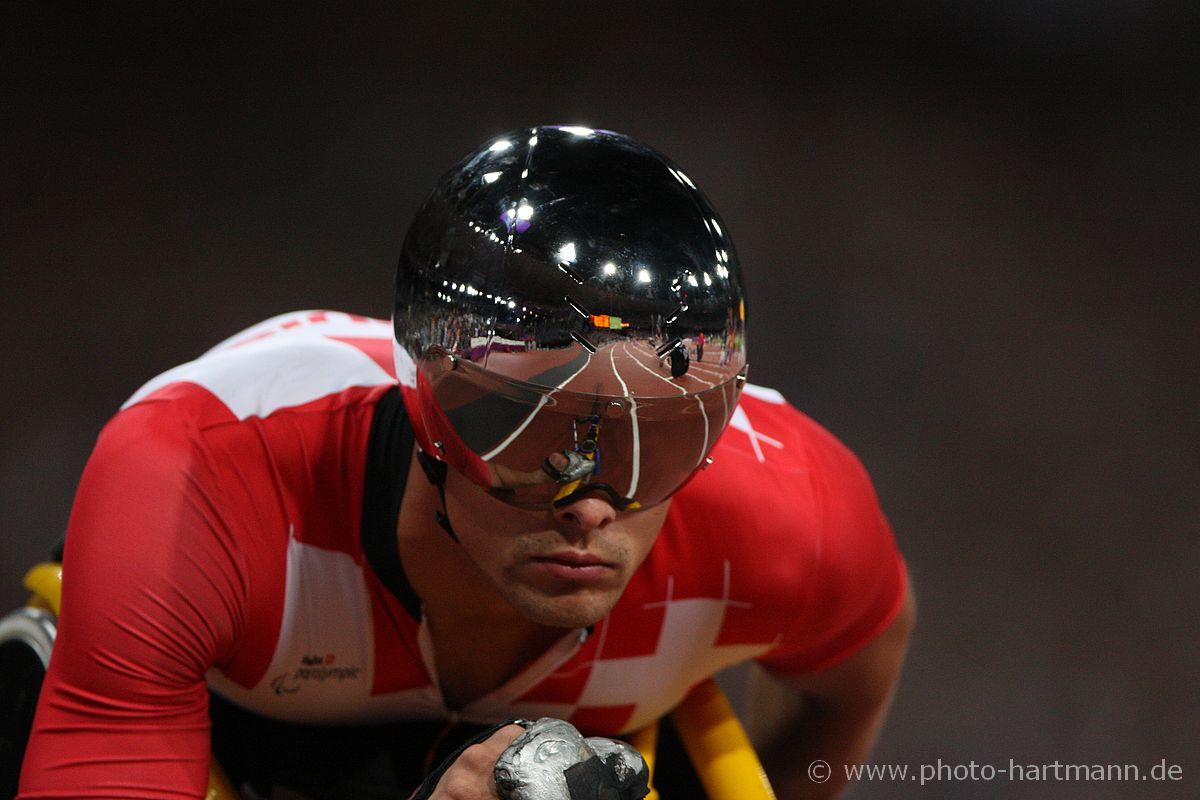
(712, 735)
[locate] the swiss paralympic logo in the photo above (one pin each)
(316, 661)
(313, 668)
(282, 684)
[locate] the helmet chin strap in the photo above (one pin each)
(435, 471)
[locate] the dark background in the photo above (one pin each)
(970, 235)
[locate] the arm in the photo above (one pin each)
(470, 776)
(150, 601)
(834, 715)
(851, 611)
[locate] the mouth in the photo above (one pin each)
(574, 558)
(574, 566)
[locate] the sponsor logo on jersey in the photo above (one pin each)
(318, 668)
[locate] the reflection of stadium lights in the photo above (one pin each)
(512, 304)
(577, 130)
(524, 173)
(490, 177)
(610, 268)
(532, 141)
(524, 211)
(567, 252)
(500, 145)
(692, 280)
(707, 279)
(643, 276)
(718, 227)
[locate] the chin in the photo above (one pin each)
(564, 611)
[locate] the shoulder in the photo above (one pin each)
(272, 425)
(773, 474)
(210, 469)
(286, 362)
(779, 436)
(784, 505)
(253, 411)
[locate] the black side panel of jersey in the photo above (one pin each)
(389, 454)
(381, 761)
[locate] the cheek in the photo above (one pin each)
(488, 540)
(490, 532)
(474, 510)
(643, 529)
(489, 554)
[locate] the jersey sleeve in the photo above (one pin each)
(858, 579)
(152, 598)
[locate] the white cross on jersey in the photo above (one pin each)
(742, 423)
(686, 653)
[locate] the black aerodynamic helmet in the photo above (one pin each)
(553, 298)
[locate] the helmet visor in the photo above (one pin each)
(627, 434)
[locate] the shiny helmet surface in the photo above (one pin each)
(569, 295)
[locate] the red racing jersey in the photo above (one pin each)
(229, 534)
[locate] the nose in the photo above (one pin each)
(585, 514)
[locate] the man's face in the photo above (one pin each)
(564, 568)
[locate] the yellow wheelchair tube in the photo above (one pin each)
(45, 581)
(717, 745)
(646, 742)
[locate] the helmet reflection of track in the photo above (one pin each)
(561, 273)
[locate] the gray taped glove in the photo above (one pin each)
(552, 761)
(573, 466)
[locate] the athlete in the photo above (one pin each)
(331, 544)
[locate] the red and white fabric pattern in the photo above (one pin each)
(215, 544)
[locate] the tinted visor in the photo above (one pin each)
(535, 446)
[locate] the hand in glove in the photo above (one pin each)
(544, 760)
(552, 761)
